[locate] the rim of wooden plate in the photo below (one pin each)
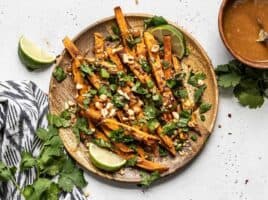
(78, 150)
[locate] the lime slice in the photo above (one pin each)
(177, 38)
(32, 56)
(105, 159)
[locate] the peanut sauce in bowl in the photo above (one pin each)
(243, 26)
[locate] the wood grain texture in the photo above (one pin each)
(59, 93)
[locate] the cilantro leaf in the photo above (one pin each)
(182, 93)
(6, 173)
(249, 84)
(162, 152)
(59, 74)
(104, 73)
(148, 179)
(104, 90)
(229, 80)
(132, 42)
(199, 92)
(204, 107)
(37, 189)
(86, 69)
(131, 162)
(102, 143)
(154, 21)
(119, 101)
(71, 176)
(119, 136)
(139, 89)
(53, 192)
(81, 126)
(153, 124)
(62, 120)
(27, 161)
(150, 111)
(249, 97)
(194, 78)
(145, 65)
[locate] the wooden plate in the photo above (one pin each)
(60, 93)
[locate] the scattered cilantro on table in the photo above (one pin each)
(249, 85)
(51, 162)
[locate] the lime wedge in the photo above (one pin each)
(32, 56)
(105, 159)
(177, 38)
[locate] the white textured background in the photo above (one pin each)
(234, 153)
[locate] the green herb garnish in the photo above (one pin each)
(102, 143)
(148, 178)
(193, 137)
(132, 42)
(62, 120)
(119, 136)
(119, 101)
(194, 78)
(165, 64)
(153, 124)
(59, 74)
(154, 21)
(131, 162)
(199, 92)
(86, 69)
(139, 89)
(104, 90)
(81, 126)
(181, 93)
(204, 107)
(104, 73)
(162, 152)
(145, 65)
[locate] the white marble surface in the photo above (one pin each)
(219, 173)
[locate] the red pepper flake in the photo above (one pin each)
(246, 181)
(229, 115)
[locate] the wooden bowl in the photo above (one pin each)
(59, 93)
(255, 64)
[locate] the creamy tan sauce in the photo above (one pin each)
(241, 29)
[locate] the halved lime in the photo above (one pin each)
(105, 159)
(177, 38)
(32, 56)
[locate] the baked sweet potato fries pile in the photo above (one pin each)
(135, 94)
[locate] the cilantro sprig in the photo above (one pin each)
(51, 162)
(249, 85)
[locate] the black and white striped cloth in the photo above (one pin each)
(23, 109)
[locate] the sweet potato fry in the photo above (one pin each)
(136, 133)
(115, 59)
(176, 64)
(71, 48)
(151, 166)
(166, 141)
(121, 21)
(167, 57)
(99, 45)
(121, 146)
(101, 135)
